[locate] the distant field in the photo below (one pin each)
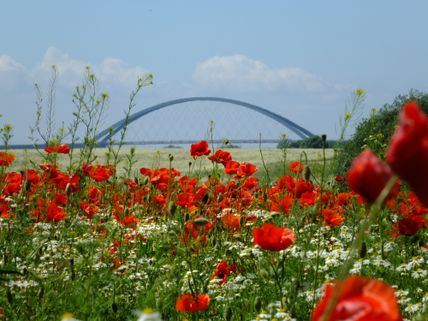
(151, 157)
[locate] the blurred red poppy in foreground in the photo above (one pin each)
(6, 158)
(359, 299)
(191, 303)
(368, 175)
(60, 149)
(410, 225)
(273, 238)
(408, 151)
(199, 149)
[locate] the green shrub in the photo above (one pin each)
(310, 142)
(375, 131)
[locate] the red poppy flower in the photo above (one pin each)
(129, 220)
(199, 149)
(339, 178)
(6, 158)
(343, 199)
(281, 204)
(220, 157)
(187, 183)
(232, 221)
(303, 187)
(223, 270)
(198, 229)
(296, 167)
(287, 182)
(13, 183)
(332, 217)
(99, 173)
(231, 167)
(407, 153)
(360, 299)
(54, 213)
(60, 149)
(5, 210)
(368, 175)
(90, 209)
(250, 183)
(246, 170)
(159, 200)
(188, 302)
(308, 198)
(273, 238)
(31, 176)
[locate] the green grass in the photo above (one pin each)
(154, 158)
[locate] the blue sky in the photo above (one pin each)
(301, 59)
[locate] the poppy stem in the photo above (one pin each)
(356, 245)
(278, 271)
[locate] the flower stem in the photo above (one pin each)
(356, 245)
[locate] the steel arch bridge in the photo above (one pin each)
(103, 136)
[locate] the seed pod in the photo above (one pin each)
(172, 208)
(114, 307)
(258, 304)
(41, 293)
(363, 250)
(201, 221)
(73, 274)
(307, 173)
(9, 296)
(228, 313)
(186, 217)
(324, 138)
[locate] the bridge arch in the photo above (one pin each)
(103, 136)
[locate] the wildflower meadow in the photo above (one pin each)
(85, 238)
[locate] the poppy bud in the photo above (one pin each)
(114, 307)
(73, 274)
(172, 208)
(9, 296)
(201, 221)
(324, 138)
(307, 173)
(363, 250)
(41, 293)
(228, 314)
(258, 304)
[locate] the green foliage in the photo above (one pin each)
(375, 131)
(310, 142)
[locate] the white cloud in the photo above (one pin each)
(70, 71)
(11, 74)
(240, 72)
(115, 70)
(7, 64)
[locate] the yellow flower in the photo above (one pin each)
(359, 92)
(148, 314)
(348, 115)
(68, 317)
